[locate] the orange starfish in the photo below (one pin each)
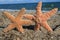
(17, 22)
(41, 18)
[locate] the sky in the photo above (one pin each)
(25, 1)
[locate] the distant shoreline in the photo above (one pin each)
(26, 10)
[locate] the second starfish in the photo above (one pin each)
(41, 18)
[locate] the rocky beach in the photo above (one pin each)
(29, 33)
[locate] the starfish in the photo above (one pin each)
(16, 22)
(41, 18)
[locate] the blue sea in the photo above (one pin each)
(30, 6)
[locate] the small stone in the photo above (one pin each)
(18, 38)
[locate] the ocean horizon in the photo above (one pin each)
(30, 6)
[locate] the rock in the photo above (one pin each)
(30, 34)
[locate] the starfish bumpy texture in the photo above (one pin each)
(16, 22)
(41, 18)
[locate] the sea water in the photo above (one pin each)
(29, 6)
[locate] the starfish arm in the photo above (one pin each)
(26, 22)
(8, 15)
(22, 11)
(38, 8)
(45, 25)
(50, 13)
(20, 29)
(37, 27)
(28, 16)
(10, 27)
